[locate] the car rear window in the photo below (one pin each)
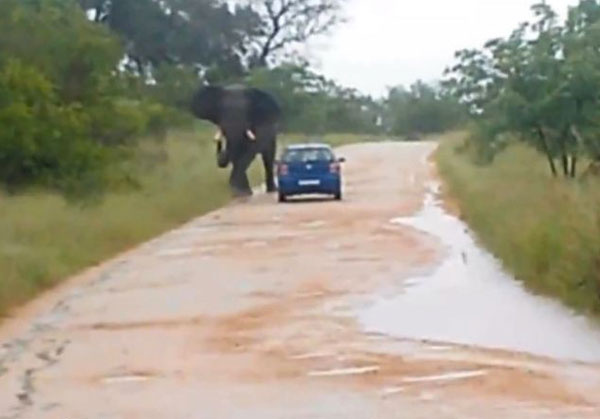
(306, 155)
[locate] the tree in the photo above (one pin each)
(312, 104)
(66, 115)
(422, 109)
(69, 61)
(287, 23)
(202, 34)
(581, 71)
(55, 37)
(541, 84)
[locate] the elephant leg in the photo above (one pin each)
(268, 158)
(267, 141)
(239, 179)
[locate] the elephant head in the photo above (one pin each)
(246, 121)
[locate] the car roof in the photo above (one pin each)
(307, 146)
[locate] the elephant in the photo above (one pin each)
(248, 118)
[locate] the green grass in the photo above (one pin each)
(43, 239)
(546, 231)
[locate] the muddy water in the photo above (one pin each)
(468, 299)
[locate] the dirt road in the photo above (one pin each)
(252, 312)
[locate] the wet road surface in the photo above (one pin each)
(469, 299)
(314, 309)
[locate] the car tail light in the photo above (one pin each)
(334, 167)
(283, 169)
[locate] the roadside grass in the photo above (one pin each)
(545, 231)
(44, 239)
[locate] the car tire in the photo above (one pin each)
(338, 196)
(282, 197)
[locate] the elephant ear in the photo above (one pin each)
(263, 108)
(206, 104)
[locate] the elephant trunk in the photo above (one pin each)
(228, 139)
(235, 135)
(222, 151)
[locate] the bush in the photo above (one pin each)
(158, 120)
(117, 122)
(41, 141)
(68, 147)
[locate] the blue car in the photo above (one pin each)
(309, 169)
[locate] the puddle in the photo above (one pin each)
(314, 224)
(213, 248)
(452, 376)
(313, 355)
(470, 300)
(122, 379)
(256, 243)
(344, 372)
(346, 259)
(390, 391)
(175, 252)
(315, 294)
(199, 250)
(332, 247)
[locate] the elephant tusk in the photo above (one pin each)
(251, 135)
(218, 136)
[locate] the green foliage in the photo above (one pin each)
(42, 141)
(546, 232)
(541, 84)
(313, 104)
(223, 38)
(174, 85)
(55, 37)
(423, 109)
(64, 111)
(194, 33)
(121, 122)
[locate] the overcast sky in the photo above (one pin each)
(391, 42)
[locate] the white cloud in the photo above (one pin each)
(390, 42)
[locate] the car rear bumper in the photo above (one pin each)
(302, 185)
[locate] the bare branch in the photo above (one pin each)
(288, 23)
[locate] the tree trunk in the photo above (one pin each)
(565, 164)
(266, 49)
(580, 144)
(547, 151)
(573, 167)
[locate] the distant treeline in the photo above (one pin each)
(422, 109)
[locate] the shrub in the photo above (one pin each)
(117, 122)
(41, 141)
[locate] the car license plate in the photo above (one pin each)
(309, 182)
